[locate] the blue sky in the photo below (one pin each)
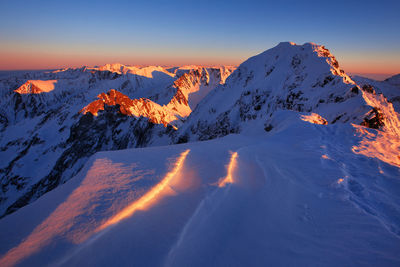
(364, 36)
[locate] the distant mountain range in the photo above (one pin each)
(52, 121)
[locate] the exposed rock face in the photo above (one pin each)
(374, 119)
(141, 107)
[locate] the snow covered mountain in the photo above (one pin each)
(303, 78)
(137, 107)
(303, 168)
(52, 121)
(36, 87)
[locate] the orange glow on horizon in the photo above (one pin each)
(231, 167)
(370, 68)
(146, 200)
(16, 56)
(50, 58)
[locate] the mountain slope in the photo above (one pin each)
(304, 78)
(45, 139)
(297, 190)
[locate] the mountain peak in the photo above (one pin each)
(286, 44)
(303, 78)
(309, 58)
(141, 107)
(36, 87)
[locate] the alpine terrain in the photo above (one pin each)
(283, 160)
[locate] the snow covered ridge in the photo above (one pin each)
(36, 87)
(191, 86)
(141, 107)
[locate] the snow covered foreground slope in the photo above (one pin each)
(297, 195)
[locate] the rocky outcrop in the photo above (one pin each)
(141, 107)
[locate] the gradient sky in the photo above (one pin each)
(363, 35)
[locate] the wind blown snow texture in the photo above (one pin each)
(299, 195)
(303, 170)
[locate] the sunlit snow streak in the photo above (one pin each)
(384, 146)
(146, 199)
(231, 167)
